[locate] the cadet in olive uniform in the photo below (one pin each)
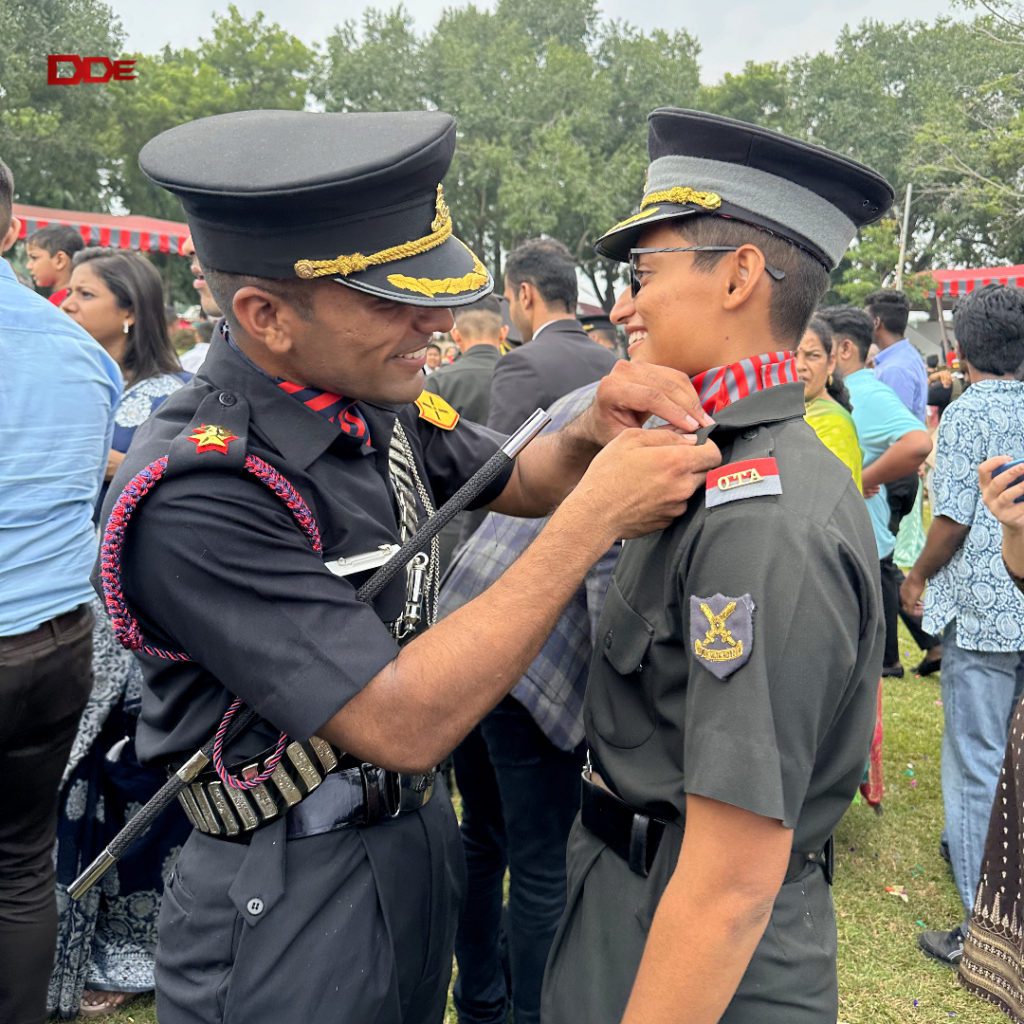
(730, 708)
(321, 882)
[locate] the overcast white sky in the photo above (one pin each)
(730, 33)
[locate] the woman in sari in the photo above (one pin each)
(106, 942)
(828, 412)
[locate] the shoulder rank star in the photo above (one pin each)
(722, 632)
(434, 409)
(211, 438)
(750, 478)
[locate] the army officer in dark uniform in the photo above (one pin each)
(730, 708)
(322, 878)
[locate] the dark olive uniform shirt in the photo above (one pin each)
(785, 735)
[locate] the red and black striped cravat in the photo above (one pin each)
(723, 385)
(337, 409)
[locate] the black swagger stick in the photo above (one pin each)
(141, 823)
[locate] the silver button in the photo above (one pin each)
(255, 906)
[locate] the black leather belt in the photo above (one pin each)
(319, 788)
(635, 837)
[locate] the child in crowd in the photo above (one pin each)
(50, 251)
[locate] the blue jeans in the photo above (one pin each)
(520, 795)
(979, 692)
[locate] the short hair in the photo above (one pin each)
(835, 386)
(480, 319)
(433, 344)
(548, 265)
(224, 285)
(6, 197)
(989, 327)
(850, 323)
(891, 307)
(55, 238)
(794, 297)
(136, 286)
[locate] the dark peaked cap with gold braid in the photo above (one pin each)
(294, 194)
(706, 164)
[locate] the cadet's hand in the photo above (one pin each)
(999, 492)
(633, 392)
(641, 481)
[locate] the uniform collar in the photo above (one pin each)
(771, 405)
(299, 434)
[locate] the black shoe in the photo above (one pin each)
(929, 666)
(895, 670)
(945, 946)
(944, 851)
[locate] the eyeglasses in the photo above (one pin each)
(634, 280)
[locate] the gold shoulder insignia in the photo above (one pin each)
(434, 409)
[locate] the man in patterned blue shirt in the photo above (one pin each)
(970, 597)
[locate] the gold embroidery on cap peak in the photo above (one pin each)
(430, 287)
(440, 231)
(682, 195)
(632, 220)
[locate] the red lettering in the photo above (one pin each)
(53, 62)
(90, 70)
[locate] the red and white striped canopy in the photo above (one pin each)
(147, 234)
(960, 282)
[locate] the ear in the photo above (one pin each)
(745, 274)
(456, 336)
(264, 318)
(60, 259)
(502, 334)
(526, 295)
(11, 235)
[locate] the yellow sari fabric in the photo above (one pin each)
(835, 429)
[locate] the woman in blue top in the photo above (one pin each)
(106, 942)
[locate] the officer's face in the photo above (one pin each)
(364, 347)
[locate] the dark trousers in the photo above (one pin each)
(520, 794)
(45, 679)
(901, 495)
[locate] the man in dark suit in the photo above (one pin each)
(466, 386)
(557, 355)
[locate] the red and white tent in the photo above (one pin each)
(960, 282)
(147, 234)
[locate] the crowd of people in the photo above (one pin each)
(685, 593)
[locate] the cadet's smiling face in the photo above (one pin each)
(364, 347)
(671, 322)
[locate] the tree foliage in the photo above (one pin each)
(551, 101)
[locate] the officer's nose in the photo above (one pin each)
(623, 309)
(435, 320)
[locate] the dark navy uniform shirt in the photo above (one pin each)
(214, 563)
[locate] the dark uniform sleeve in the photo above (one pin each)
(217, 566)
(752, 737)
(514, 390)
(453, 456)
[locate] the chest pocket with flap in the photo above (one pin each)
(622, 709)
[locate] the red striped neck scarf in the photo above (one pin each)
(337, 409)
(723, 385)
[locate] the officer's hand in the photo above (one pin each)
(633, 392)
(999, 493)
(640, 482)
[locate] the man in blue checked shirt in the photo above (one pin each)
(519, 775)
(58, 392)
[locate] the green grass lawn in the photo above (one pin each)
(883, 977)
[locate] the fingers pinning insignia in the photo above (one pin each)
(434, 409)
(722, 632)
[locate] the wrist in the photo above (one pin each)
(586, 529)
